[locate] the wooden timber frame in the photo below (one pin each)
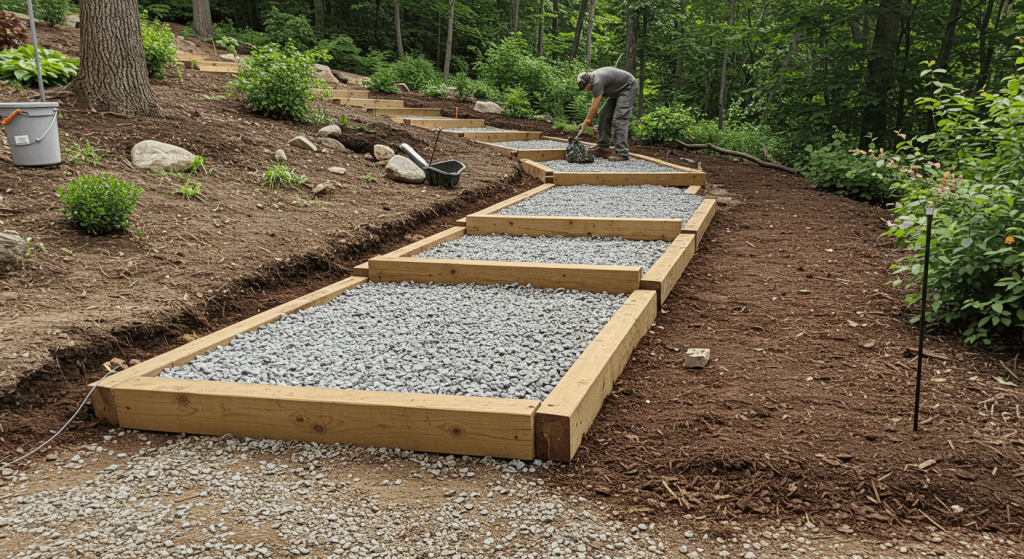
(435, 123)
(688, 177)
(492, 136)
(214, 67)
(137, 398)
(532, 154)
(348, 94)
(402, 111)
(369, 104)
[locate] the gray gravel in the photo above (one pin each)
(481, 129)
(497, 341)
(595, 251)
(626, 202)
(534, 144)
(602, 165)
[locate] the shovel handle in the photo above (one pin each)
(9, 118)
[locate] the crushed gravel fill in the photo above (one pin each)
(627, 202)
(534, 144)
(601, 165)
(468, 340)
(593, 251)
(481, 129)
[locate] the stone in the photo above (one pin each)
(331, 143)
(158, 156)
(51, 457)
(341, 77)
(330, 131)
(324, 72)
(337, 170)
(697, 358)
(368, 156)
(280, 156)
(401, 169)
(328, 186)
(401, 87)
(488, 107)
(229, 57)
(12, 248)
(471, 99)
(380, 153)
(453, 93)
(302, 142)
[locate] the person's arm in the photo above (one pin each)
(590, 114)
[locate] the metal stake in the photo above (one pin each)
(929, 212)
(35, 47)
(435, 146)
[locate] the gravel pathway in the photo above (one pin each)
(481, 129)
(534, 144)
(597, 251)
(495, 341)
(626, 202)
(602, 165)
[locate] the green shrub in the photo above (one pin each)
(276, 81)
(972, 172)
(510, 64)
(246, 35)
(438, 90)
(158, 42)
(19, 65)
(852, 173)
(53, 12)
(282, 28)
(279, 174)
(99, 203)
(20, 6)
(516, 104)
(662, 125)
(466, 86)
(345, 54)
(416, 72)
(383, 80)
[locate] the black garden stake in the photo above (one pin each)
(929, 213)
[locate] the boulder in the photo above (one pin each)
(331, 143)
(227, 57)
(401, 169)
(380, 153)
(337, 170)
(302, 142)
(330, 131)
(341, 77)
(324, 73)
(243, 48)
(158, 156)
(12, 248)
(402, 88)
(453, 93)
(280, 156)
(697, 358)
(489, 107)
(471, 99)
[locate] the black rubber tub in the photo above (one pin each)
(444, 173)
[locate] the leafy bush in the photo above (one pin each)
(282, 28)
(383, 80)
(158, 42)
(466, 86)
(246, 35)
(345, 54)
(53, 12)
(662, 125)
(972, 173)
(99, 203)
(510, 64)
(516, 104)
(276, 81)
(852, 173)
(416, 72)
(20, 6)
(19, 65)
(438, 90)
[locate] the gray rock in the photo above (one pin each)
(280, 156)
(337, 170)
(12, 248)
(380, 153)
(229, 57)
(402, 88)
(324, 72)
(302, 142)
(402, 169)
(329, 186)
(453, 93)
(697, 358)
(158, 156)
(331, 143)
(330, 131)
(489, 107)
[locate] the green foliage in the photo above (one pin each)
(662, 125)
(466, 86)
(19, 6)
(53, 12)
(972, 173)
(99, 203)
(343, 120)
(280, 175)
(191, 189)
(229, 44)
(851, 172)
(511, 64)
(276, 82)
(282, 28)
(85, 153)
(383, 79)
(227, 30)
(19, 66)
(158, 42)
(516, 104)
(198, 163)
(414, 71)
(345, 54)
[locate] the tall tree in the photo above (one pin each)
(631, 25)
(398, 28)
(881, 71)
(540, 29)
(579, 29)
(554, 20)
(725, 68)
(319, 17)
(514, 25)
(590, 29)
(112, 72)
(947, 38)
(448, 48)
(201, 19)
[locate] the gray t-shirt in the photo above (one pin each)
(611, 82)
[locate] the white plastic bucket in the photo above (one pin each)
(32, 134)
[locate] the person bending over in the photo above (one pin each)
(621, 89)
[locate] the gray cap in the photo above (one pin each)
(583, 79)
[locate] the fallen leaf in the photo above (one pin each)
(868, 344)
(1004, 382)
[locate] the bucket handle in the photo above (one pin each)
(10, 117)
(52, 122)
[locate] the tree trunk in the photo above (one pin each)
(201, 19)
(579, 29)
(987, 47)
(949, 35)
(631, 25)
(785, 64)
(398, 28)
(881, 71)
(540, 30)
(590, 29)
(677, 82)
(448, 47)
(514, 26)
(318, 14)
(112, 72)
(725, 68)
(554, 21)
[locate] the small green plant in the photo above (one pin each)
(319, 117)
(369, 178)
(280, 175)
(277, 81)
(383, 80)
(191, 189)
(213, 86)
(853, 173)
(207, 98)
(309, 203)
(343, 121)
(198, 163)
(517, 104)
(229, 44)
(53, 12)
(366, 129)
(19, 66)
(85, 153)
(158, 43)
(67, 251)
(99, 203)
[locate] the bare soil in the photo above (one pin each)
(804, 410)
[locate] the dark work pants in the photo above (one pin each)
(615, 114)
